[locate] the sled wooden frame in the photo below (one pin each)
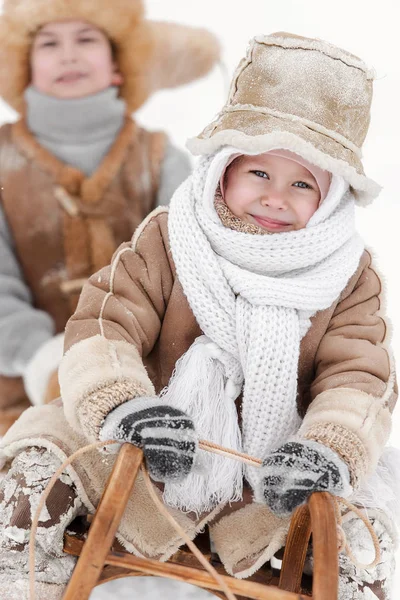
(98, 563)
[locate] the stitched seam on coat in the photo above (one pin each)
(116, 260)
(111, 292)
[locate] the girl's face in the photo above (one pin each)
(72, 59)
(272, 192)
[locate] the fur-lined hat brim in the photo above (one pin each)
(255, 133)
(151, 55)
(303, 95)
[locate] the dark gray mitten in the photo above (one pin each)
(165, 434)
(296, 470)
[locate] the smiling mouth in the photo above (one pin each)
(71, 77)
(270, 223)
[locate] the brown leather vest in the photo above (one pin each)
(66, 226)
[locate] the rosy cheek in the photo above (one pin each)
(43, 73)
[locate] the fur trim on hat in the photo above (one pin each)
(364, 188)
(150, 55)
(299, 94)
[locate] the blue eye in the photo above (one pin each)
(303, 185)
(260, 174)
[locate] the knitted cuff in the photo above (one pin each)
(95, 407)
(113, 419)
(331, 456)
(346, 444)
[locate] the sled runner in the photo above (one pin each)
(102, 559)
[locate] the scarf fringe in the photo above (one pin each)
(200, 388)
(253, 297)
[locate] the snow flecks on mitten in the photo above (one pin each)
(296, 470)
(165, 433)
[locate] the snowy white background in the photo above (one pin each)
(369, 30)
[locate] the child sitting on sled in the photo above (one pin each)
(249, 314)
(77, 173)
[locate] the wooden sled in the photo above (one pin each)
(101, 560)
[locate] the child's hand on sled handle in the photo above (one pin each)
(297, 469)
(166, 435)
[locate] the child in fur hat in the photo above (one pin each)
(77, 173)
(249, 314)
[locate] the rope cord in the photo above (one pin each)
(344, 545)
(208, 447)
(199, 555)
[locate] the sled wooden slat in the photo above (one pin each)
(105, 524)
(100, 559)
(325, 547)
(139, 566)
(295, 550)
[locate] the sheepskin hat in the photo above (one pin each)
(303, 95)
(151, 55)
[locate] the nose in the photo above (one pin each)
(68, 52)
(274, 199)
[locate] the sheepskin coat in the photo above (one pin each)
(59, 226)
(132, 324)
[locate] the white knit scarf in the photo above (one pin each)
(252, 296)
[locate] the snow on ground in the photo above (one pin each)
(367, 29)
(149, 588)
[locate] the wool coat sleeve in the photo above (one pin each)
(116, 324)
(354, 390)
(23, 329)
(175, 169)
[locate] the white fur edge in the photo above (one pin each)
(96, 363)
(365, 189)
(176, 541)
(277, 542)
(361, 413)
(42, 365)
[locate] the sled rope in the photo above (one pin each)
(35, 522)
(208, 447)
(198, 554)
(234, 454)
(42, 502)
(344, 545)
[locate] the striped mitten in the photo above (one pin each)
(296, 470)
(165, 434)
